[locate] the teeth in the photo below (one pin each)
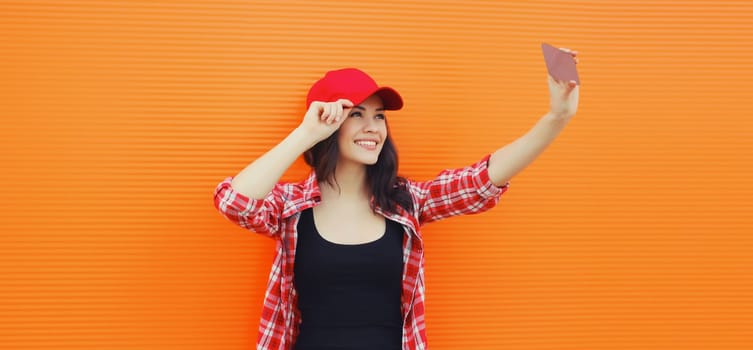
(366, 143)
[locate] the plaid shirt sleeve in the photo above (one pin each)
(258, 215)
(457, 192)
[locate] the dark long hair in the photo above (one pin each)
(388, 189)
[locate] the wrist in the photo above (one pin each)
(555, 122)
(561, 116)
(303, 138)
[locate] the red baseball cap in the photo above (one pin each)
(354, 85)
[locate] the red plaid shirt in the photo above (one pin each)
(453, 192)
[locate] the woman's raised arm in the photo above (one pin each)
(321, 120)
(516, 156)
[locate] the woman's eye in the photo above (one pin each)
(379, 116)
(355, 114)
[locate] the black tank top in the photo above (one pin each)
(348, 295)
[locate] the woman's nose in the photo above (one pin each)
(372, 125)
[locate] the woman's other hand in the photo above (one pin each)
(563, 95)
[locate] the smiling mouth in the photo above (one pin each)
(368, 145)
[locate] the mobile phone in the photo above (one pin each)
(560, 64)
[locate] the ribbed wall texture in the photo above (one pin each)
(633, 231)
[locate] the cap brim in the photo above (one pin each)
(390, 98)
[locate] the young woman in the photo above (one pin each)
(349, 270)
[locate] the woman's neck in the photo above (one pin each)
(350, 183)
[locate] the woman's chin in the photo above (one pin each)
(368, 161)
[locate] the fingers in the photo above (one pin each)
(343, 107)
(334, 112)
(571, 86)
(566, 85)
(572, 53)
(326, 112)
(338, 112)
(345, 102)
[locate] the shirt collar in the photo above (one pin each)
(311, 191)
(312, 195)
(305, 195)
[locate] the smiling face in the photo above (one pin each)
(362, 134)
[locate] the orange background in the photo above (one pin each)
(631, 232)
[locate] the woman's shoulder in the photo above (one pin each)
(301, 189)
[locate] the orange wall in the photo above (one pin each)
(631, 232)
